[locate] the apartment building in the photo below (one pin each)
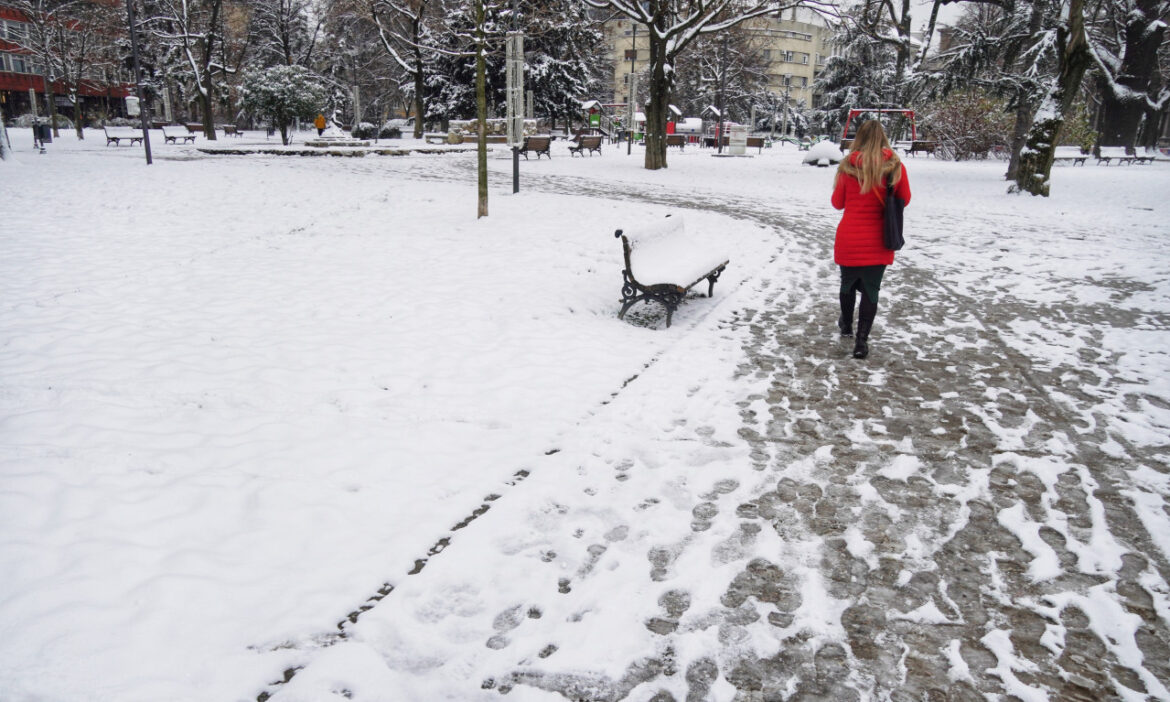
(795, 45)
(21, 73)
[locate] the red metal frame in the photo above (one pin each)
(854, 113)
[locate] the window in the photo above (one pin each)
(16, 30)
(17, 62)
(804, 81)
(631, 54)
(767, 54)
(3, 62)
(804, 58)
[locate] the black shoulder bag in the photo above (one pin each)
(892, 232)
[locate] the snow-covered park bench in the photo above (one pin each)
(537, 145)
(663, 263)
(116, 135)
(922, 147)
(1065, 154)
(170, 136)
(1116, 154)
(587, 143)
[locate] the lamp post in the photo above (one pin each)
(144, 110)
(787, 87)
(633, 89)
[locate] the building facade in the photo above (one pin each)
(23, 78)
(795, 46)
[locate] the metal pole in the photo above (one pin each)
(787, 88)
(144, 111)
(512, 103)
(32, 96)
(633, 69)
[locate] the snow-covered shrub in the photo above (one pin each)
(364, 130)
(119, 122)
(26, 120)
(390, 131)
(1078, 129)
(823, 153)
(968, 124)
(283, 94)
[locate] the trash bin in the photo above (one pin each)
(45, 133)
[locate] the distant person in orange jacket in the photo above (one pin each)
(319, 123)
(860, 190)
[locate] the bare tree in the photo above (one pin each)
(671, 26)
(283, 33)
(194, 28)
(403, 32)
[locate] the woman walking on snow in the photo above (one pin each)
(860, 190)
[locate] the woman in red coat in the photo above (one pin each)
(860, 190)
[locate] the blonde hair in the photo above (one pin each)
(872, 167)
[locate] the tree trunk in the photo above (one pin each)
(78, 118)
(419, 79)
(1025, 109)
(208, 113)
(1026, 104)
(3, 138)
(1124, 107)
(656, 105)
(51, 107)
(205, 92)
(481, 112)
(284, 134)
(1036, 159)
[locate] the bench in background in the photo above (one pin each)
(170, 137)
(537, 145)
(116, 135)
(587, 143)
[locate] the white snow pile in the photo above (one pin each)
(823, 153)
(265, 413)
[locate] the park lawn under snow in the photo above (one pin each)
(240, 394)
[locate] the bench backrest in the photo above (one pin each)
(122, 131)
(660, 251)
(591, 142)
(1113, 152)
(755, 141)
(675, 139)
(537, 143)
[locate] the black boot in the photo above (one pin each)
(845, 321)
(866, 313)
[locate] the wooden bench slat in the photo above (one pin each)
(590, 143)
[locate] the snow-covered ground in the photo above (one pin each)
(279, 417)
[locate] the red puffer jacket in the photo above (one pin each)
(859, 235)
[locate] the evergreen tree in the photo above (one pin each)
(283, 94)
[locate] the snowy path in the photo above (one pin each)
(953, 519)
(274, 432)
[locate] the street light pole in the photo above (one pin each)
(787, 87)
(632, 92)
(144, 111)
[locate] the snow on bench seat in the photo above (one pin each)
(663, 262)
